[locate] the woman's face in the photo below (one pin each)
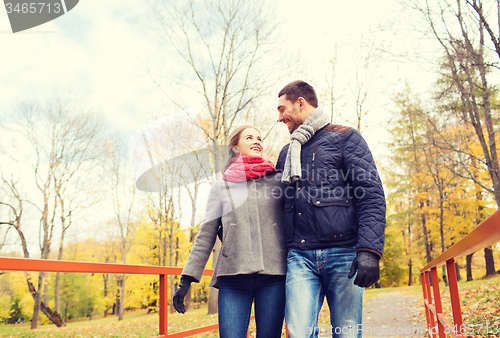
(250, 143)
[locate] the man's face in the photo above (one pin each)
(289, 113)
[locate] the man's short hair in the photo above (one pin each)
(297, 89)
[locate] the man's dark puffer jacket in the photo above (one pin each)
(339, 202)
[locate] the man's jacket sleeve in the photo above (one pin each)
(368, 193)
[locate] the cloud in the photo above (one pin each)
(95, 49)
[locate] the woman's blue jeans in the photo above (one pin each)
(312, 275)
(236, 294)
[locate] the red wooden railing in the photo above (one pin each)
(26, 264)
(484, 235)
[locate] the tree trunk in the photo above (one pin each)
(61, 249)
(54, 317)
(490, 261)
(426, 237)
(105, 280)
(172, 291)
(213, 298)
(457, 269)
(192, 236)
(213, 295)
(441, 227)
(187, 300)
(445, 278)
(37, 297)
(165, 248)
(39, 305)
(171, 255)
(410, 276)
(116, 310)
(46, 291)
(121, 307)
(57, 305)
(469, 267)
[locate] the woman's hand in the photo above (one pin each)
(181, 293)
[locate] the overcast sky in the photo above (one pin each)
(101, 49)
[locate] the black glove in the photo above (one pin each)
(181, 292)
(368, 269)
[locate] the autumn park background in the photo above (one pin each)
(421, 83)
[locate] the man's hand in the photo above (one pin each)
(181, 292)
(367, 265)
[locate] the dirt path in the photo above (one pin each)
(393, 314)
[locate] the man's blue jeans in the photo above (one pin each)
(236, 294)
(312, 275)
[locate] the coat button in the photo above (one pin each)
(312, 180)
(335, 236)
(318, 202)
(340, 235)
(300, 214)
(303, 241)
(347, 201)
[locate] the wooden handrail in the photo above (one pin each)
(484, 235)
(46, 265)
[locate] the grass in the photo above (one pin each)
(480, 301)
(480, 305)
(137, 324)
(415, 290)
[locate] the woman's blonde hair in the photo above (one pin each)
(234, 137)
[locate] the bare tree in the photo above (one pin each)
(164, 154)
(330, 87)
(328, 92)
(461, 37)
(59, 144)
(123, 188)
(489, 22)
(226, 49)
(226, 53)
(434, 159)
(364, 72)
(75, 188)
(5, 226)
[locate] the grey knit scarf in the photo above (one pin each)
(314, 122)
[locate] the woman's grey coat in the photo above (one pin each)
(253, 235)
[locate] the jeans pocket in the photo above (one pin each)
(290, 255)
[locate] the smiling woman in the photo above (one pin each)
(249, 143)
(251, 265)
(245, 140)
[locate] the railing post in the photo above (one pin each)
(432, 323)
(437, 301)
(454, 296)
(163, 303)
(426, 298)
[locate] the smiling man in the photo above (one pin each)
(334, 224)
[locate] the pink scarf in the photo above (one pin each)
(245, 167)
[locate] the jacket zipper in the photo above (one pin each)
(315, 149)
